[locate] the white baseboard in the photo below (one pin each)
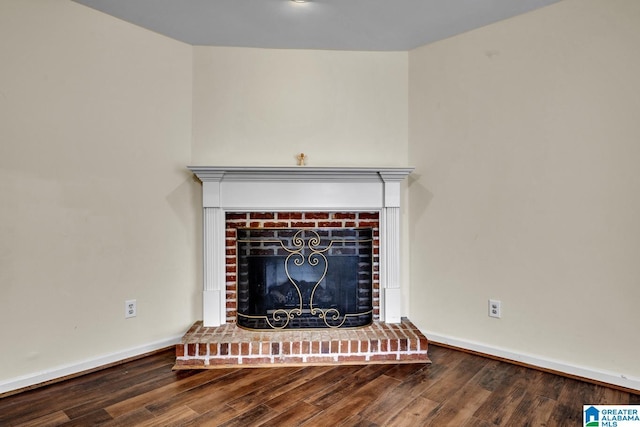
(613, 378)
(85, 365)
(620, 380)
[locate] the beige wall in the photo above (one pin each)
(264, 106)
(96, 206)
(526, 139)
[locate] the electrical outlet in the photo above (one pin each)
(495, 308)
(130, 308)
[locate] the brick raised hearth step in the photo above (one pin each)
(228, 346)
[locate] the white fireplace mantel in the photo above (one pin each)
(302, 188)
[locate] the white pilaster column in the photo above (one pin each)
(390, 258)
(214, 293)
(214, 311)
(392, 296)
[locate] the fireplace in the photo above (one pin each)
(292, 255)
(301, 199)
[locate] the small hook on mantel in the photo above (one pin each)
(302, 158)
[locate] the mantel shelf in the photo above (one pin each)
(299, 173)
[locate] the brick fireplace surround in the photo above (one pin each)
(274, 197)
(296, 220)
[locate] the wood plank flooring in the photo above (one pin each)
(458, 389)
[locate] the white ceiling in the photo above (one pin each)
(383, 25)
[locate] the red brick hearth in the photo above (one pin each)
(229, 346)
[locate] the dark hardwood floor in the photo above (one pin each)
(459, 389)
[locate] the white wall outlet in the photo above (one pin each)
(495, 308)
(130, 308)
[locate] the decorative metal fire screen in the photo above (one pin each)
(304, 279)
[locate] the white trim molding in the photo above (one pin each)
(79, 367)
(613, 378)
(239, 188)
